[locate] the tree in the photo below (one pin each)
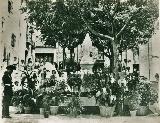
(57, 22)
(114, 25)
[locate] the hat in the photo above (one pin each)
(11, 67)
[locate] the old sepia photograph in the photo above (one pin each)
(77, 61)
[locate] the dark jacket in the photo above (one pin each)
(7, 82)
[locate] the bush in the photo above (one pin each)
(133, 100)
(90, 82)
(18, 97)
(74, 107)
(147, 93)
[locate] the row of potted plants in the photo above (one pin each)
(136, 98)
(24, 101)
(141, 97)
(47, 100)
(108, 96)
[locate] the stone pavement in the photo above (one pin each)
(37, 118)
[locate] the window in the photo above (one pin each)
(8, 59)
(13, 40)
(3, 23)
(10, 6)
(4, 54)
(91, 54)
(22, 1)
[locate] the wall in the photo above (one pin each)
(13, 23)
(155, 54)
(144, 60)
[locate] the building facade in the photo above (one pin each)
(15, 42)
(85, 53)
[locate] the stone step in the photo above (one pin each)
(154, 108)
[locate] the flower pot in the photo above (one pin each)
(13, 109)
(54, 110)
(106, 111)
(133, 113)
(142, 111)
(41, 110)
(46, 114)
(27, 110)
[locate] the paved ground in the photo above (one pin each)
(30, 118)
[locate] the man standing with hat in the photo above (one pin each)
(7, 92)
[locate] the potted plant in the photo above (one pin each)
(56, 96)
(74, 107)
(133, 102)
(39, 101)
(56, 99)
(154, 98)
(17, 100)
(54, 105)
(100, 87)
(28, 102)
(144, 89)
(153, 105)
(43, 101)
(104, 96)
(46, 105)
(50, 98)
(106, 104)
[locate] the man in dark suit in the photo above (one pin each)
(7, 92)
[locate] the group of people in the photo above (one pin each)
(24, 76)
(40, 73)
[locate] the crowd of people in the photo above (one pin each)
(36, 74)
(39, 72)
(33, 75)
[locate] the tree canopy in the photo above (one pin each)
(65, 21)
(130, 22)
(57, 22)
(113, 25)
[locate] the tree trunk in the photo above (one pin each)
(72, 54)
(111, 64)
(111, 58)
(115, 60)
(116, 76)
(64, 58)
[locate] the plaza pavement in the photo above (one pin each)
(37, 118)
